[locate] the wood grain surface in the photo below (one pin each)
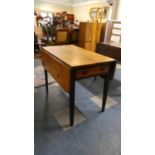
(74, 56)
(59, 71)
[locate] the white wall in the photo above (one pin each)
(53, 6)
(116, 10)
(81, 11)
(79, 8)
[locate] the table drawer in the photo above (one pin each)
(92, 71)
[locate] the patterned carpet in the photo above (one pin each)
(39, 78)
(92, 90)
(94, 133)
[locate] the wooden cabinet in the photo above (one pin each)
(70, 18)
(112, 50)
(86, 30)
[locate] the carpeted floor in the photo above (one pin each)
(39, 78)
(94, 133)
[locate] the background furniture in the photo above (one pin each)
(74, 36)
(112, 43)
(61, 37)
(38, 35)
(113, 31)
(70, 18)
(55, 29)
(85, 34)
(38, 32)
(112, 49)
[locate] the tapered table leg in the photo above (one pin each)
(105, 91)
(46, 79)
(72, 99)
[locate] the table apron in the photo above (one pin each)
(92, 71)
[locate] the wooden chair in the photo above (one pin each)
(74, 37)
(61, 37)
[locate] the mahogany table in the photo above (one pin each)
(68, 63)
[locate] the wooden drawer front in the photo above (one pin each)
(92, 71)
(58, 70)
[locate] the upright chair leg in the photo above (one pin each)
(46, 79)
(105, 92)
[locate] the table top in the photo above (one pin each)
(75, 56)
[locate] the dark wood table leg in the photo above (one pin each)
(105, 91)
(72, 98)
(46, 79)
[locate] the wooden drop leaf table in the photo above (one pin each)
(68, 63)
